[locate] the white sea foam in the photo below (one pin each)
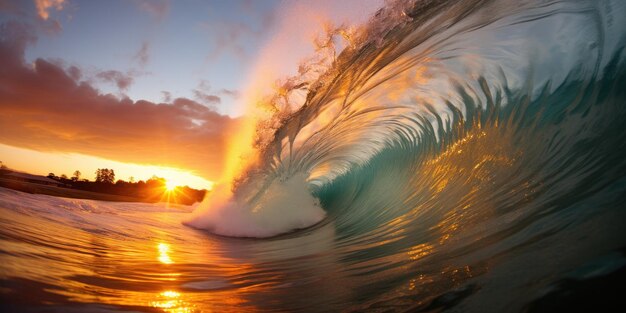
(283, 206)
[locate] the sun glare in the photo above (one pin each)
(164, 256)
(170, 185)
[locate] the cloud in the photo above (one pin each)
(19, 34)
(203, 94)
(230, 38)
(45, 107)
(9, 6)
(157, 8)
(123, 81)
(234, 37)
(40, 20)
(143, 55)
(44, 6)
(75, 73)
(51, 27)
(207, 98)
(167, 96)
(230, 93)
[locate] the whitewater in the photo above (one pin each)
(462, 156)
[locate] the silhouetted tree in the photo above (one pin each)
(111, 176)
(151, 190)
(131, 180)
(2, 166)
(155, 182)
(105, 175)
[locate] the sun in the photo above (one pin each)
(170, 185)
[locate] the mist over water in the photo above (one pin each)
(454, 156)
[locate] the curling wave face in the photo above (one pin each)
(420, 80)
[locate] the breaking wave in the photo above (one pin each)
(438, 108)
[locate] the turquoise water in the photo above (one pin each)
(461, 156)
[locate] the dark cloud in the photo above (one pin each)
(75, 73)
(45, 107)
(167, 96)
(206, 98)
(143, 55)
(123, 81)
(230, 93)
(19, 34)
(203, 94)
(9, 6)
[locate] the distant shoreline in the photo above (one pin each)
(70, 193)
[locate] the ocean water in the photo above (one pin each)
(458, 156)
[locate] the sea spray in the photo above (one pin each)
(281, 206)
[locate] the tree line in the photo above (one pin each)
(151, 190)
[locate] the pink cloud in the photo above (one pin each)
(44, 7)
(45, 107)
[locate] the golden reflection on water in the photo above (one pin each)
(172, 302)
(467, 170)
(125, 272)
(419, 251)
(164, 256)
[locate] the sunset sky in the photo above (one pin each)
(144, 87)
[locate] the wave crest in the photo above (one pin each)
(419, 77)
